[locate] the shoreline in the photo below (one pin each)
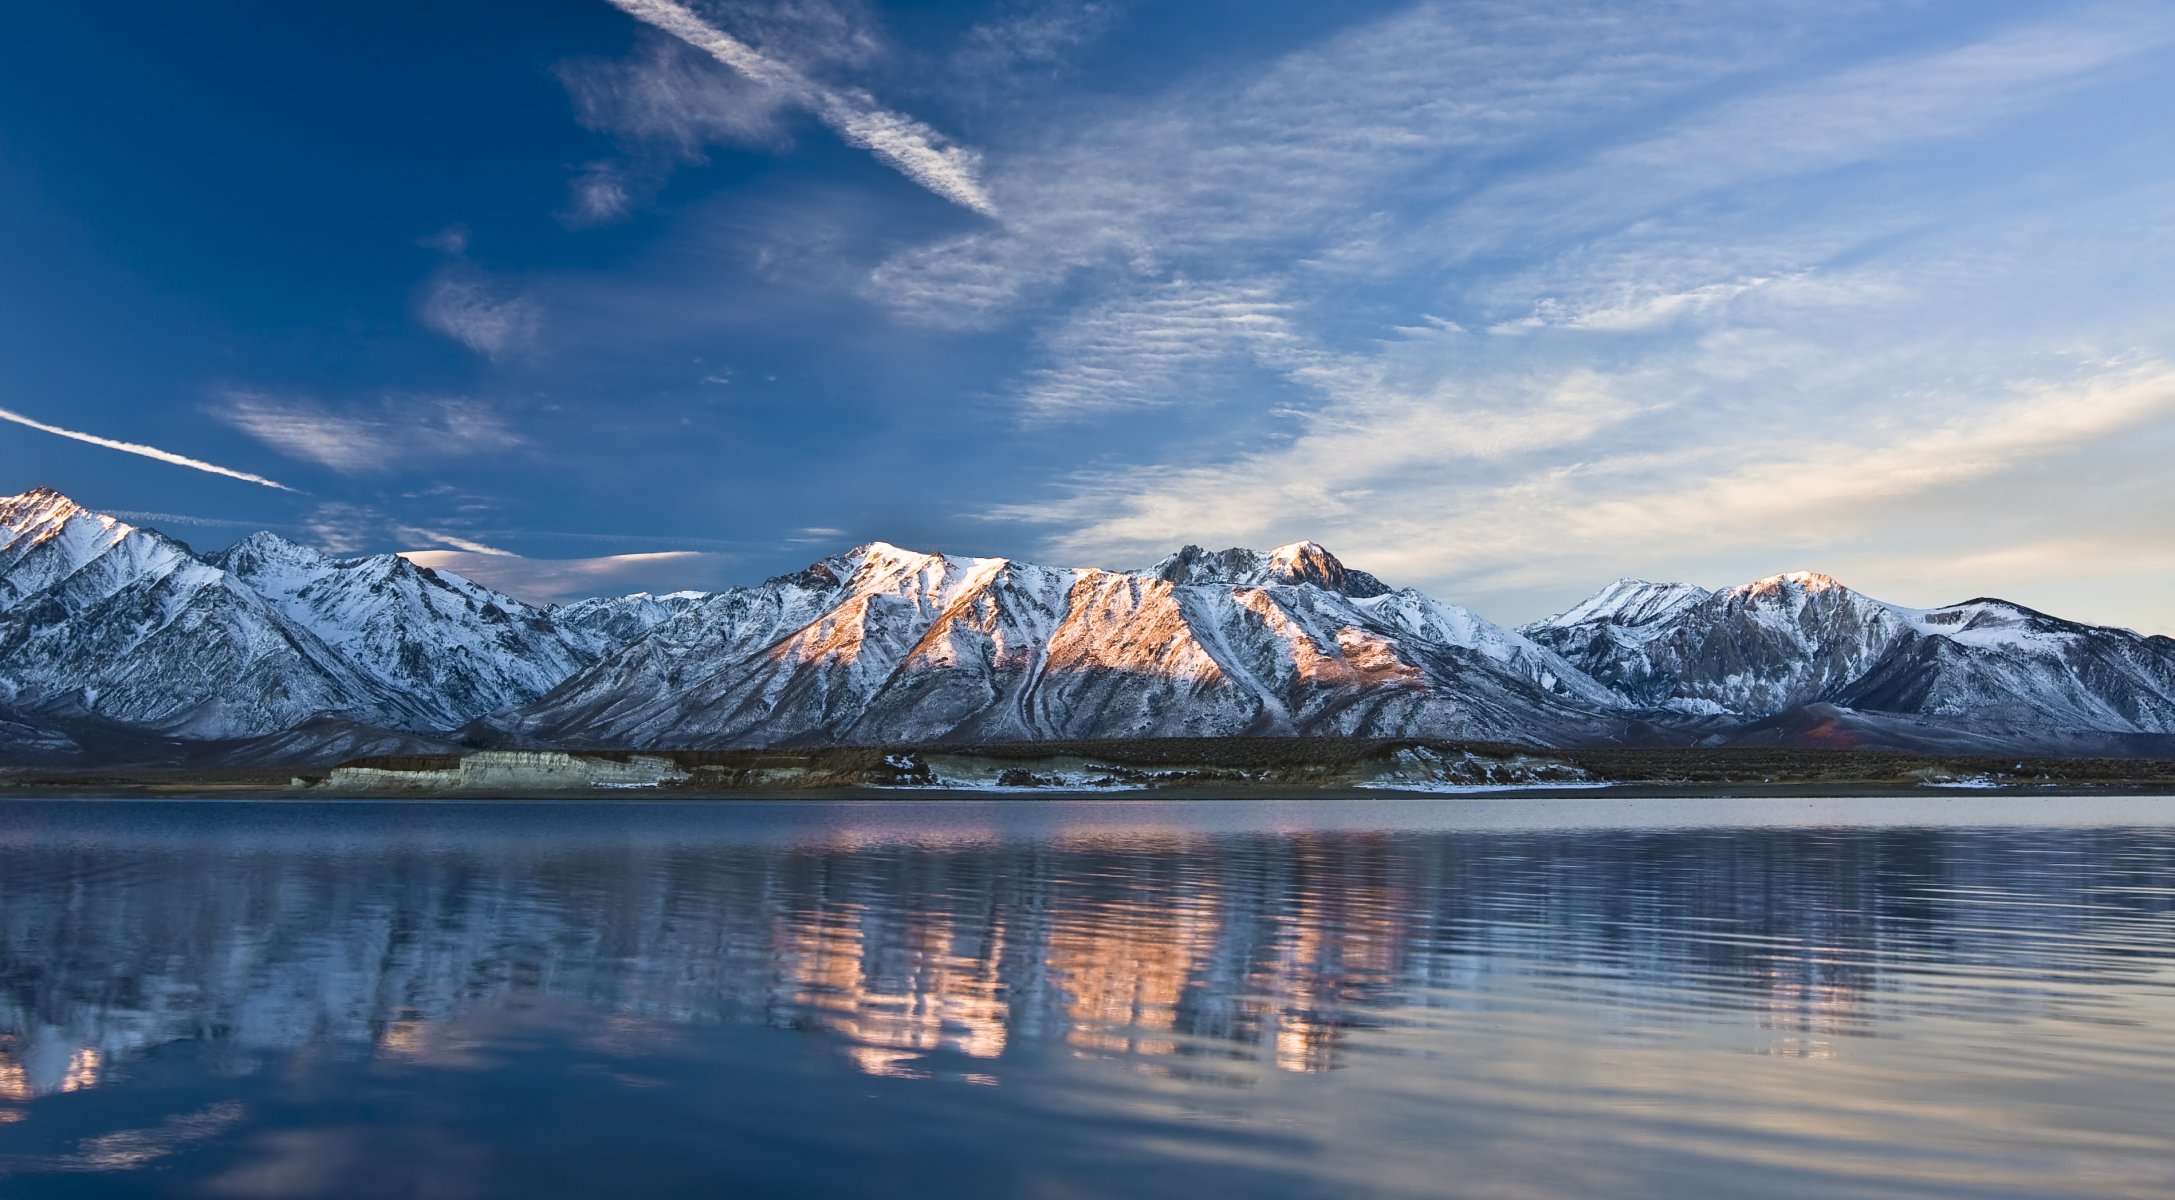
(1200, 769)
(1220, 794)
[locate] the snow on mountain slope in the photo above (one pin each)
(188, 652)
(884, 644)
(453, 650)
(1750, 650)
(1633, 606)
(2006, 668)
(1766, 647)
(1408, 612)
(46, 539)
(99, 619)
(1298, 562)
(598, 626)
(113, 632)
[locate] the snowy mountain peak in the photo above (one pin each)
(125, 627)
(47, 540)
(1310, 562)
(1790, 583)
(264, 552)
(882, 568)
(1634, 603)
(1298, 562)
(41, 514)
(40, 507)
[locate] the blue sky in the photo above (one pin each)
(1502, 300)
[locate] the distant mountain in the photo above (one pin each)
(1986, 669)
(108, 625)
(599, 626)
(117, 641)
(889, 645)
(451, 650)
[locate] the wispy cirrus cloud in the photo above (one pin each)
(1553, 488)
(1747, 330)
(1144, 350)
(599, 195)
(1301, 158)
(1032, 33)
(666, 104)
(138, 448)
(489, 319)
(391, 434)
(901, 142)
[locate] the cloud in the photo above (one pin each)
(1381, 152)
(151, 452)
(465, 545)
(1967, 439)
(1033, 33)
(906, 145)
(1756, 150)
(598, 196)
(1376, 451)
(669, 96)
(1147, 349)
(548, 580)
(1377, 478)
(167, 518)
(395, 433)
(453, 240)
(462, 305)
(1633, 308)
(1301, 159)
(338, 527)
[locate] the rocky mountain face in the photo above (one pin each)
(106, 626)
(603, 624)
(272, 652)
(1986, 669)
(449, 649)
(888, 645)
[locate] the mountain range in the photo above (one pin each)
(118, 643)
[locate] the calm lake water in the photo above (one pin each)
(1936, 996)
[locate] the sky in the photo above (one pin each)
(1501, 299)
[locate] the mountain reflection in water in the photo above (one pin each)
(1326, 998)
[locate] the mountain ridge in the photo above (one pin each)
(271, 649)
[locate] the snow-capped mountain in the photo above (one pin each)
(124, 627)
(451, 649)
(603, 624)
(884, 644)
(1299, 562)
(1777, 644)
(110, 632)
(110, 622)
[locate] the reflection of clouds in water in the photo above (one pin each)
(352, 1160)
(134, 1149)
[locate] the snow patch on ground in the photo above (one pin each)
(1469, 789)
(1423, 769)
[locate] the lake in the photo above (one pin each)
(1940, 995)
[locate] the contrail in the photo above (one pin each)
(164, 456)
(908, 146)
